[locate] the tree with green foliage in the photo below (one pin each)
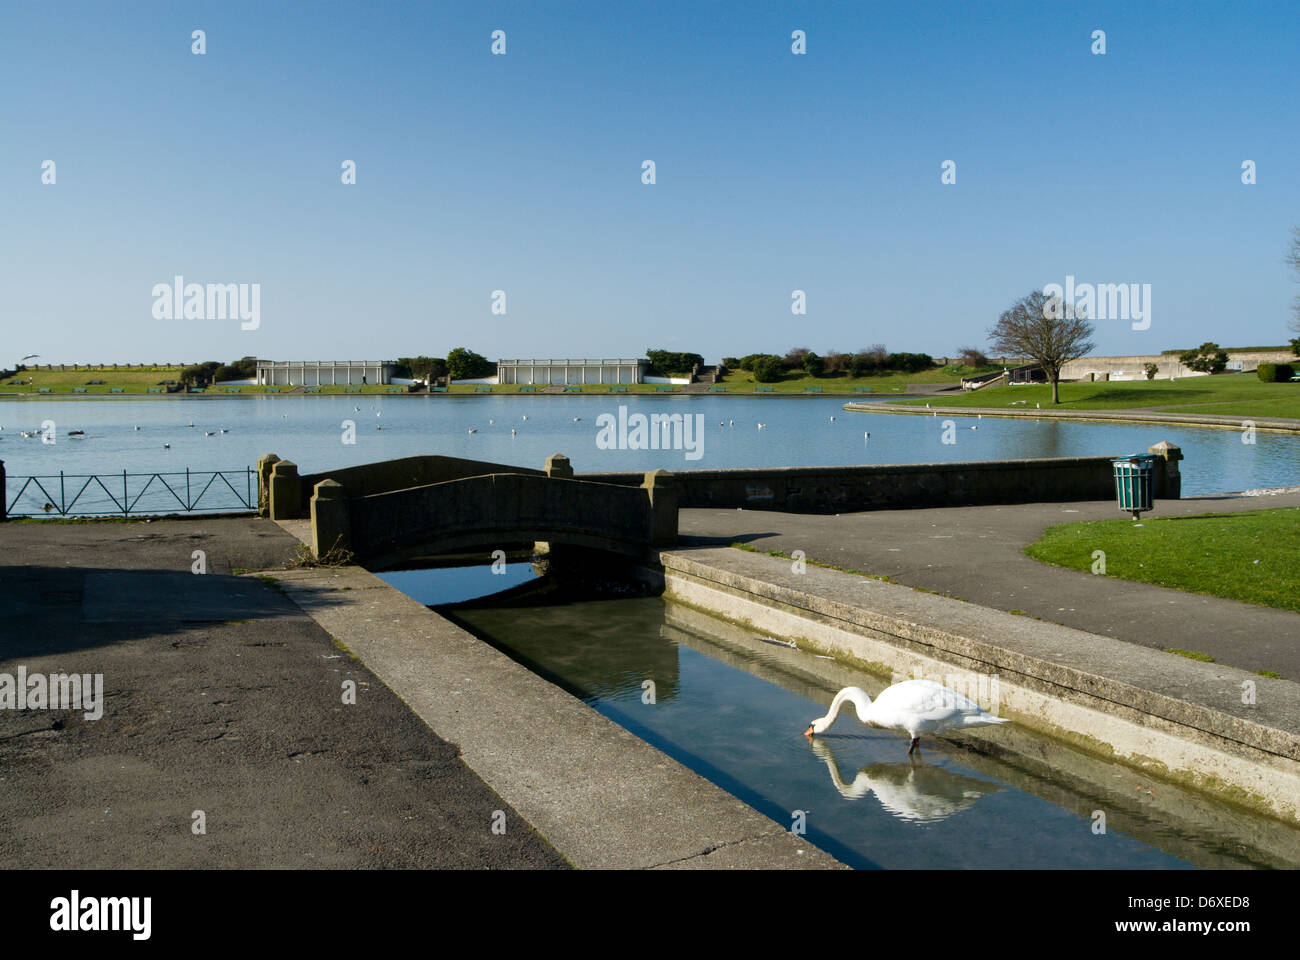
(1046, 330)
(465, 364)
(665, 363)
(1151, 370)
(910, 362)
(1207, 358)
(751, 360)
(422, 368)
(813, 364)
(768, 369)
(200, 374)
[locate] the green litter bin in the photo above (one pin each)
(1134, 477)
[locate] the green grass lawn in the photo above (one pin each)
(1230, 394)
(1248, 556)
(62, 381)
(742, 381)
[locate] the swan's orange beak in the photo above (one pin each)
(809, 731)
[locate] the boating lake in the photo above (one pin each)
(129, 435)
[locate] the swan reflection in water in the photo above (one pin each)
(912, 790)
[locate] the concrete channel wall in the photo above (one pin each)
(1204, 726)
(842, 489)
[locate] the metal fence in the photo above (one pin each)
(129, 494)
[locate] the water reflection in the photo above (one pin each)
(912, 790)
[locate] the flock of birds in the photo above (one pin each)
(866, 435)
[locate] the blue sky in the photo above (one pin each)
(522, 173)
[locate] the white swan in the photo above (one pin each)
(917, 706)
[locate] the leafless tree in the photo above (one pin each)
(1293, 260)
(1045, 330)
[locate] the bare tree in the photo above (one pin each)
(1293, 260)
(1045, 330)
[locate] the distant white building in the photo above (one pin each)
(572, 371)
(323, 373)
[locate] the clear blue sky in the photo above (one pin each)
(523, 173)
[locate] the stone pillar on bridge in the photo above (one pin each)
(264, 464)
(1169, 482)
(661, 487)
(285, 491)
(331, 526)
(557, 465)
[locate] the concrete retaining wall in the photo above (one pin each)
(843, 489)
(1173, 718)
(1133, 367)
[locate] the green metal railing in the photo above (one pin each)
(129, 494)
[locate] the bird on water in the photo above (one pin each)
(915, 706)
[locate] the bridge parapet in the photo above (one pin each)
(381, 516)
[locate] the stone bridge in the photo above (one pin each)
(386, 512)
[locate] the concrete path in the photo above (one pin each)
(974, 553)
(220, 696)
(1130, 415)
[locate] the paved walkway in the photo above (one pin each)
(221, 695)
(1131, 415)
(974, 553)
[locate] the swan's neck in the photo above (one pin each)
(861, 703)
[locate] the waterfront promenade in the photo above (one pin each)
(974, 553)
(221, 696)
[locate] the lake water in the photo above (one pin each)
(312, 431)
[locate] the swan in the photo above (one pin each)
(917, 706)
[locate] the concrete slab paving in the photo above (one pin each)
(243, 721)
(974, 553)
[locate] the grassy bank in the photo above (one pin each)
(1237, 394)
(1248, 556)
(78, 382)
(741, 381)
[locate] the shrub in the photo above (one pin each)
(1207, 358)
(750, 361)
(768, 369)
(910, 362)
(814, 364)
(227, 372)
(664, 363)
(1151, 369)
(794, 359)
(1275, 372)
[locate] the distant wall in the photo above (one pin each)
(843, 489)
(1132, 367)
